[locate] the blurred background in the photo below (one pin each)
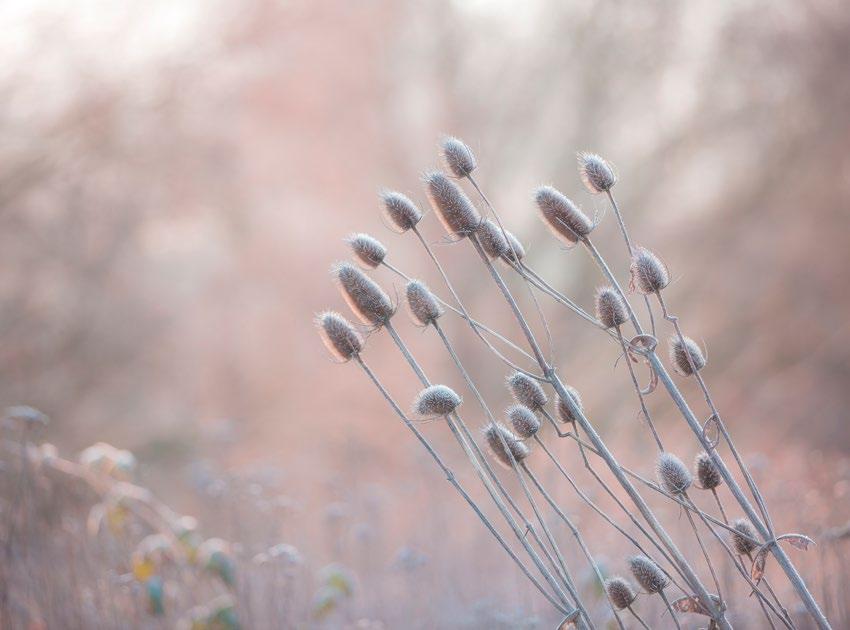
(176, 179)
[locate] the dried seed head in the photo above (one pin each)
(523, 420)
(744, 538)
(680, 352)
(454, 209)
(564, 410)
(620, 592)
(707, 473)
(515, 446)
(610, 308)
(400, 210)
(596, 173)
(339, 335)
(647, 574)
(649, 274)
(458, 157)
(436, 400)
(363, 295)
(516, 252)
(424, 307)
(674, 476)
(563, 217)
(492, 240)
(526, 391)
(368, 250)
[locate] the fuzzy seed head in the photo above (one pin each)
(526, 391)
(492, 240)
(523, 421)
(458, 157)
(673, 475)
(339, 335)
(610, 308)
(744, 537)
(596, 173)
(620, 592)
(680, 352)
(515, 252)
(706, 472)
(400, 210)
(564, 410)
(368, 250)
(649, 274)
(562, 216)
(647, 574)
(454, 209)
(436, 400)
(363, 295)
(515, 446)
(424, 307)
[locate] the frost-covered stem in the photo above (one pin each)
(450, 477)
(690, 576)
(609, 275)
(638, 617)
(628, 358)
(670, 609)
(702, 547)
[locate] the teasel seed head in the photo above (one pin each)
(647, 574)
(674, 476)
(458, 157)
(564, 410)
(363, 295)
(454, 209)
(515, 252)
(620, 592)
(706, 472)
(368, 250)
(526, 391)
(424, 307)
(649, 274)
(679, 353)
(610, 307)
(515, 446)
(339, 336)
(435, 401)
(400, 210)
(744, 537)
(523, 421)
(596, 173)
(561, 215)
(491, 238)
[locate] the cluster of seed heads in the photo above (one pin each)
(620, 592)
(706, 472)
(687, 357)
(498, 436)
(673, 475)
(647, 574)
(596, 173)
(526, 391)
(451, 205)
(523, 421)
(649, 274)
(424, 307)
(339, 335)
(562, 216)
(436, 401)
(565, 412)
(458, 157)
(364, 296)
(744, 538)
(400, 211)
(492, 240)
(367, 249)
(610, 308)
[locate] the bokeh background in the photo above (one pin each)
(176, 179)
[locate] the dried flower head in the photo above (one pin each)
(516, 252)
(436, 400)
(339, 335)
(673, 475)
(458, 157)
(647, 574)
(561, 215)
(596, 173)
(680, 353)
(649, 274)
(744, 538)
(564, 410)
(706, 472)
(620, 592)
(491, 238)
(515, 447)
(610, 307)
(454, 209)
(424, 307)
(368, 250)
(400, 210)
(526, 391)
(523, 421)
(363, 295)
